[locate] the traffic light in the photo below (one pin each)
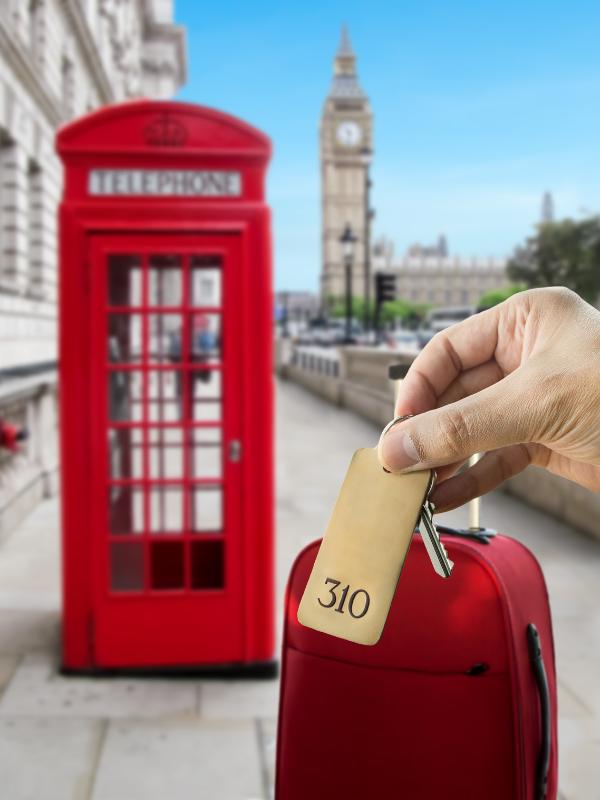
(385, 288)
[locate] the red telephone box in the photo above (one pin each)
(166, 390)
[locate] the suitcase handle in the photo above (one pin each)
(539, 670)
(481, 535)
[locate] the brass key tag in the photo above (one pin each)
(352, 584)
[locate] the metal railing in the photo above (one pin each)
(307, 359)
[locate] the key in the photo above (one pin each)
(354, 578)
(431, 538)
(433, 544)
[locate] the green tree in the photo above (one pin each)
(410, 314)
(564, 253)
(337, 307)
(496, 296)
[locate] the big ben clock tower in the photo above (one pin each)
(346, 146)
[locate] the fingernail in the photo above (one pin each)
(398, 451)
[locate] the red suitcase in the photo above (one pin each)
(457, 701)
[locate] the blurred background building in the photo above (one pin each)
(58, 59)
(298, 305)
(430, 275)
(425, 273)
(547, 208)
(346, 141)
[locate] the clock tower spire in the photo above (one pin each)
(346, 134)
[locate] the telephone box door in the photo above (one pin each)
(167, 538)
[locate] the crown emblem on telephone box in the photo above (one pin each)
(164, 131)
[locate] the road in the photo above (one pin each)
(117, 739)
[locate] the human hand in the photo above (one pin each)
(520, 382)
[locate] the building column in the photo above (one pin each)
(44, 195)
(14, 234)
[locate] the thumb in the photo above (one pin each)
(495, 417)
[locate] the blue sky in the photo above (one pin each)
(479, 107)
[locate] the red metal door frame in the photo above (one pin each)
(174, 626)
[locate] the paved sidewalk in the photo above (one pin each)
(116, 739)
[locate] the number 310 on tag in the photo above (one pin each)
(358, 603)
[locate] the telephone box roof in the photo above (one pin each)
(164, 126)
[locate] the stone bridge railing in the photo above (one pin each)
(352, 377)
(357, 378)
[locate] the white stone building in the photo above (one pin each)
(438, 279)
(450, 281)
(58, 59)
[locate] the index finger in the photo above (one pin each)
(454, 350)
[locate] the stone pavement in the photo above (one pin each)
(121, 739)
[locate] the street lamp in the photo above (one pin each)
(366, 157)
(348, 240)
(284, 315)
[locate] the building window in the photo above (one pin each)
(464, 296)
(7, 210)
(36, 30)
(448, 297)
(68, 87)
(34, 229)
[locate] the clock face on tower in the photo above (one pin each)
(349, 133)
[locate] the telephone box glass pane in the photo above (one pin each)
(126, 566)
(166, 565)
(205, 338)
(206, 385)
(165, 339)
(165, 436)
(166, 509)
(205, 281)
(124, 338)
(165, 395)
(124, 276)
(125, 396)
(208, 565)
(207, 509)
(169, 409)
(164, 280)
(126, 510)
(166, 453)
(125, 453)
(207, 453)
(166, 462)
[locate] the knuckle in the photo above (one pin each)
(563, 294)
(435, 343)
(421, 445)
(504, 466)
(454, 432)
(558, 297)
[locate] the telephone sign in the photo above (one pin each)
(165, 182)
(166, 391)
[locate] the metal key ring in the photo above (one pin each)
(395, 421)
